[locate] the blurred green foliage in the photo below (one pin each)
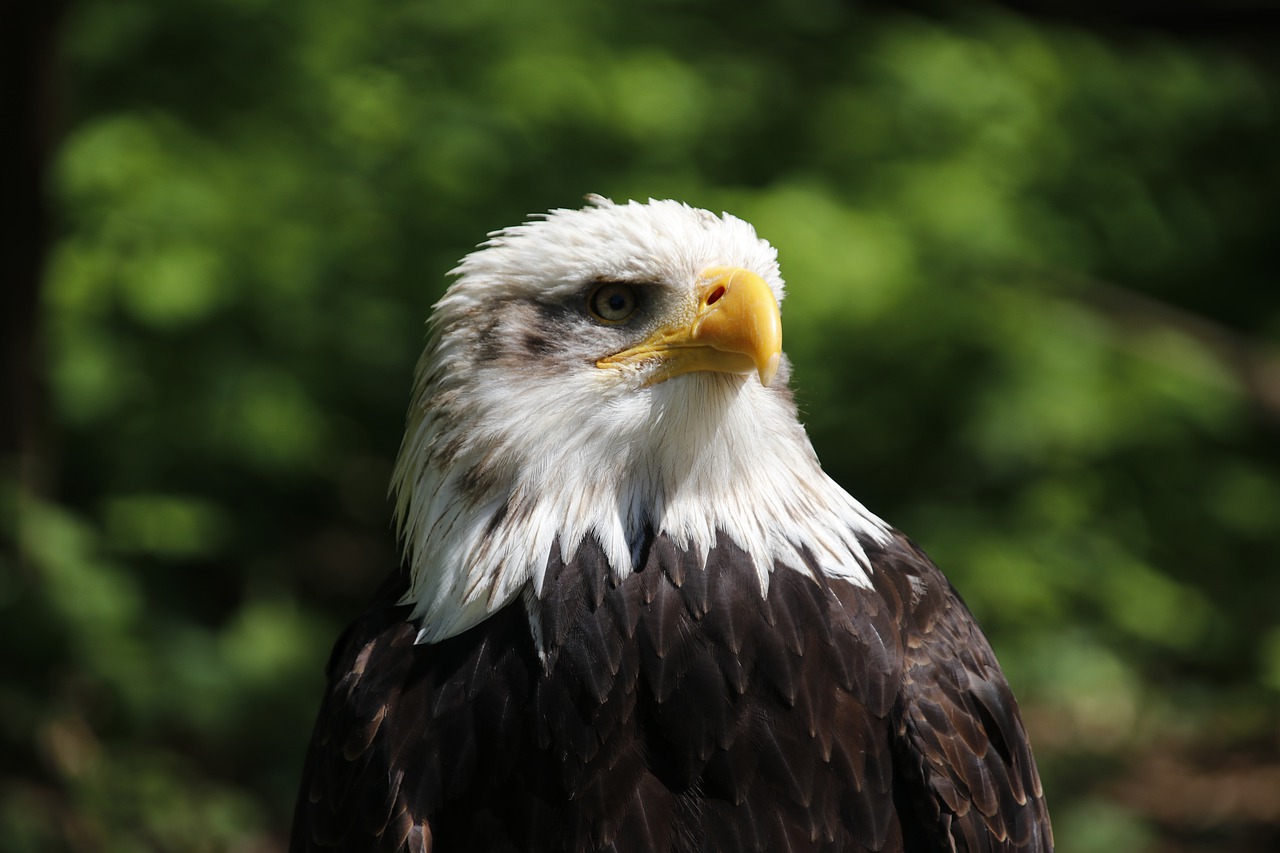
(1034, 312)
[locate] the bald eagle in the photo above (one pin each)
(635, 614)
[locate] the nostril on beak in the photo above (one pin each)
(714, 296)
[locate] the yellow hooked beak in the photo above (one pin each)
(736, 328)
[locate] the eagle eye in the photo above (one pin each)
(612, 302)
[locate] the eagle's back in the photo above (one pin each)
(678, 710)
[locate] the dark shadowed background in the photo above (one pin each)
(1034, 310)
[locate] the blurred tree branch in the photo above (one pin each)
(1254, 365)
(28, 52)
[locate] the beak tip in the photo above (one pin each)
(769, 369)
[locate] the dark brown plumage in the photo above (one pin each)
(678, 711)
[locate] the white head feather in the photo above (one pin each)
(517, 443)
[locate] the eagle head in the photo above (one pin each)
(613, 372)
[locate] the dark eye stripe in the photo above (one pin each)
(613, 302)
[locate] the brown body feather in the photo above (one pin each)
(678, 711)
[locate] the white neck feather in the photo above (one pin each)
(480, 508)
